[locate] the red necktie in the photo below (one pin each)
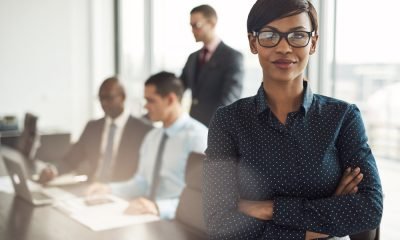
(203, 56)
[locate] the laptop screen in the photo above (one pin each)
(29, 141)
(14, 165)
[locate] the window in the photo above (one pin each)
(156, 35)
(366, 71)
(173, 39)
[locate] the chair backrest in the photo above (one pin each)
(190, 208)
(367, 235)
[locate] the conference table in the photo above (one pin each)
(19, 220)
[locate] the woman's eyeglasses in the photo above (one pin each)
(296, 39)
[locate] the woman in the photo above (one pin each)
(275, 161)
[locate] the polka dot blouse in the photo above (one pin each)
(252, 156)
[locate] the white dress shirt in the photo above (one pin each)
(120, 123)
(211, 47)
(185, 135)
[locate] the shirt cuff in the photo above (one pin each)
(289, 212)
(135, 187)
(167, 207)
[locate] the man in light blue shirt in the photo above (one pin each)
(163, 92)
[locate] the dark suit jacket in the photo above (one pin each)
(218, 83)
(85, 154)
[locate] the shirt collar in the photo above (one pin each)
(307, 97)
(119, 121)
(213, 45)
(262, 105)
(177, 125)
(261, 100)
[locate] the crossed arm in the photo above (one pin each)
(290, 216)
(263, 210)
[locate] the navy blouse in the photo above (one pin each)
(253, 156)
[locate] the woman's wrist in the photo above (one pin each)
(258, 209)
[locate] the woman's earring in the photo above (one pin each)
(254, 51)
(312, 50)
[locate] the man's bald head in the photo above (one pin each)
(112, 97)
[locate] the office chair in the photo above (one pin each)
(190, 207)
(367, 235)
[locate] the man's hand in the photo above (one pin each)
(349, 182)
(98, 189)
(142, 206)
(47, 174)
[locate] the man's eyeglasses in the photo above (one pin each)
(198, 25)
(110, 97)
(296, 39)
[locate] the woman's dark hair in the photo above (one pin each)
(266, 11)
(166, 83)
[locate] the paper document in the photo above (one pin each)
(102, 214)
(6, 184)
(67, 179)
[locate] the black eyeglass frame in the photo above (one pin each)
(283, 35)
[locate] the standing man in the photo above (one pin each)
(160, 179)
(108, 149)
(215, 72)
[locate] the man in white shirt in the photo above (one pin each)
(157, 185)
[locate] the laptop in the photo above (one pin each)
(15, 168)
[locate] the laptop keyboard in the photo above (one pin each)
(39, 196)
(57, 193)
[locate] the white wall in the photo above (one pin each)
(53, 54)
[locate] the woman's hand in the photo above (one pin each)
(347, 185)
(262, 210)
(314, 235)
(349, 182)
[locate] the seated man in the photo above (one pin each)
(157, 185)
(108, 149)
